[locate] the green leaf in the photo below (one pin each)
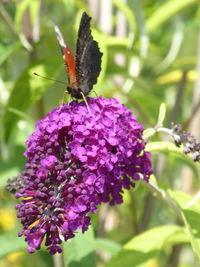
(80, 250)
(166, 11)
(175, 46)
(153, 239)
(140, 21)
(20, 8)
(69, 5)
(117, 41)
(107, 245)
(164, 146)
(11, 243)
(161, 115)
(145, 246)
(7, 50)
(102, 42)
(191, 214)
(34, 7)
(179, 238)
(148, 133)
(22, 115)
(127, 12)
(27, 90)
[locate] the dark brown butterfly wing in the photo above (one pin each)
(88, 57)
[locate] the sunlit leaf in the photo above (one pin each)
(20, 8)
(166, 11)
(80, 250)
(69, 4)
(145, 246)
(34, 7)
(191, 215)
(11, 243)
(107, 245)
(148, 133)
(102, 42)
(117, 41)
(164, 146)
(161, 115)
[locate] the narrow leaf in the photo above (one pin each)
(166, 11)
(27, 90)
(161, 115)
(127, 12)
(148, 133)
(7, 50)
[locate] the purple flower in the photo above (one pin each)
(76, 161)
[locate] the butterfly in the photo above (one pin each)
(83, 69)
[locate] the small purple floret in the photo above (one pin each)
(76, 161)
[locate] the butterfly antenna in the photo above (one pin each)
(49, 17)
(85, 100)
(95, 93)
(54, 80)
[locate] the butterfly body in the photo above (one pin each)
(83, 69)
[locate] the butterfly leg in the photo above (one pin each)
(85, 100)
(95, 93)
(63, 99)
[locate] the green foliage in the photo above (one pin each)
(156, 223)
(31, 87)
(146, 246)
(74, 256)
(6, 50)
(10, 244)
(161, 115)
(166, 11)
(190, 211)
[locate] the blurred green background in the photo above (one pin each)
(151, 54)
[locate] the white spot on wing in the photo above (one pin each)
(59, 37)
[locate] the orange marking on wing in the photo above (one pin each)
(71, 66)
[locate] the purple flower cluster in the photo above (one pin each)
(76, 160)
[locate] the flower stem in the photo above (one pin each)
(165, 130)
(160, 192)
(58, 260)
